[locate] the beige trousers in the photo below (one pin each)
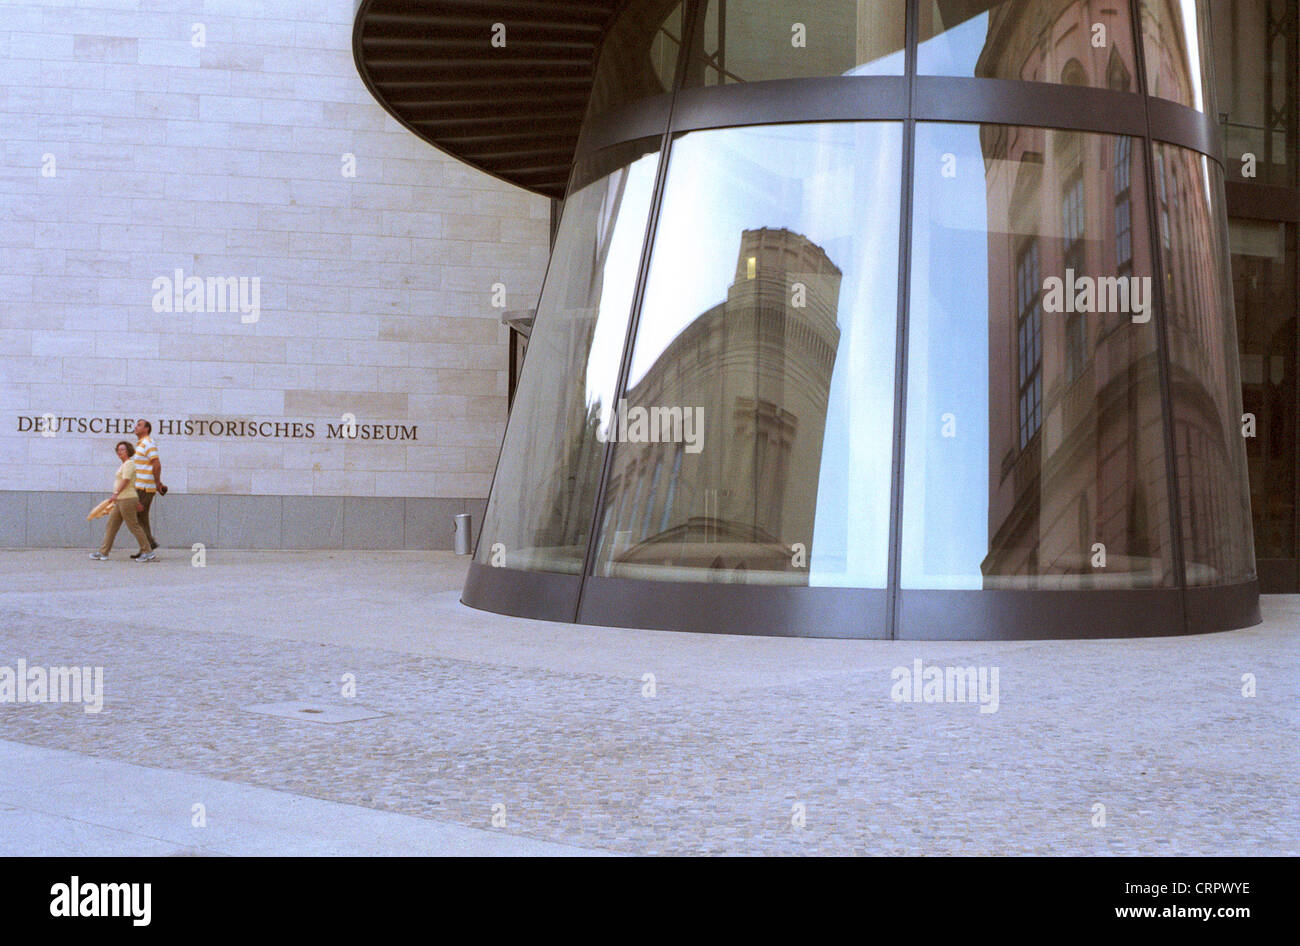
(124, 509)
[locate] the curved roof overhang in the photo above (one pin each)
(512, 110)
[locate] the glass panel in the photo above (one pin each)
(766, 349)
(1179, 57)
(1204, 377)
(750, 40)
(1070, 43)
(542, 499)
(1255, 53)
(1264, 277)
(638, 58)
(1034, 454)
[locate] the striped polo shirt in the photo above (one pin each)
(145, 454)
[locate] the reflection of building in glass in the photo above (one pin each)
(1074, 42)
(760, 366)
(1098, 435)
(1068, 469)
(1072, 396)
(1203, 376)
(1171, 72)
(753, 40)
(1059, 42)
(1075, 426)
(546, 525)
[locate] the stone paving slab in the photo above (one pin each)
(549, 726)
(68, 804)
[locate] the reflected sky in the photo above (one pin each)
(891, 65)
(946, 494)
(1192, 43)
(956, 51)
(838, 186)
(625, 242)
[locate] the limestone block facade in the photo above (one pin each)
(206, 221)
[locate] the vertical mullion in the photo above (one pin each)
(689, 15)
(1164, 356)
(893, 576)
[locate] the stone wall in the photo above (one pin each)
(147, 143)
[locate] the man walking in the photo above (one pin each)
(148, 476)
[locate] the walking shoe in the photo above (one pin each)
(148, 557)
(135, 554)
(99, 557)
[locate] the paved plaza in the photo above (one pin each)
(508, 736)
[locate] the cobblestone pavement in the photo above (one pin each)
(552, 721)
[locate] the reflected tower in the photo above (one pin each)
(758, 367)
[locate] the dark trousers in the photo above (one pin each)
(146, 499)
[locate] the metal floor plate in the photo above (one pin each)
(315, 711)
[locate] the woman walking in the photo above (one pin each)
(126, 507)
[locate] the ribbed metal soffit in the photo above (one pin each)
(513, 110)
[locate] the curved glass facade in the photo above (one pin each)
(885, 349)
(545, 486)
(769, 323)
(1034, 432)
(771, 39)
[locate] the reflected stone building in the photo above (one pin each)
(758, 366)
(1074, 458)
(931, 447)
(1076, 477)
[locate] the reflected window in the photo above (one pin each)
(1014, 472)
(1123, 182)
(1118, 76)
(544, 495)
(1029, 337)
(753, 40)
(761, 383)
(1074, 43)
(1072, 229)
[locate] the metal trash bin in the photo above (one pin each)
(464, 538)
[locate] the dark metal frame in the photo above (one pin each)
(1277, 204)
(893, 612)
